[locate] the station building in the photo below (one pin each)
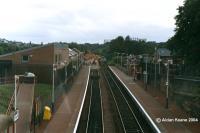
(39, 60)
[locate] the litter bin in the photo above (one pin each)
(47, 113)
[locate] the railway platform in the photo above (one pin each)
(25, 98)
(155, 110)
(67, 108)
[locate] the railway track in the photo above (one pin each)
(129, 116)
(131, 120)
(91, 120)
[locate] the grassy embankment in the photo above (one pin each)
(6, 92)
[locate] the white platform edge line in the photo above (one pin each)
(81, 108)
(152, 122)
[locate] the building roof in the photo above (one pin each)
(33, 48)
(75, 49)
(72, 52)
(24, 50)
(163, 52)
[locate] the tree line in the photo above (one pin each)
(12, 47)
(186, 41)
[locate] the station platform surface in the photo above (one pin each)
(25, 98)
(155, 110)
(64, 119)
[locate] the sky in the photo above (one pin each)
(87, 21)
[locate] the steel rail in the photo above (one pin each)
(149, 119)
(125, 108)
(95, 117)
(101, 106)
(127, 104)
(114, 98)
(88, 117)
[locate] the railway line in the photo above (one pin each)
(128, 120)
(128, 115)
(91, 120)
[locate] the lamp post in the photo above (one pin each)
(146, 69)
(155, 59)
(15, 104)
(167, 82)
(159, 60)
(53, 88)
(77, 64)
(117, 58)
(127, 63)
(121, 60)
(65, 69)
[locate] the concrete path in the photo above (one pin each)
(64, 119)
(25, 98)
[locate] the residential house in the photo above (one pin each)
(163, 53)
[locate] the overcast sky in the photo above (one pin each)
(87, 20)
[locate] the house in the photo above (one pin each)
(163, 52)
(39, 60)
(75, 58)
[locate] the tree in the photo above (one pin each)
(186, 41)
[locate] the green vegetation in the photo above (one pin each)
(12, 46)
(6, 92)
(129, 46)
(119, 45)
(186, 41)
(44, 92)
(85, 47)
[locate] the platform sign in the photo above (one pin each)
(16, 115)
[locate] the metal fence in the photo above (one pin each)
(63, 79)
(184, 84)
(184, 90)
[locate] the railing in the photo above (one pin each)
(10, 105)
(6, 80)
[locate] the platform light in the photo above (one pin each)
(167, 81)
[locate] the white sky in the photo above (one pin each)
(87, 20)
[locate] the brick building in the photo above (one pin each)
(38, 60)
